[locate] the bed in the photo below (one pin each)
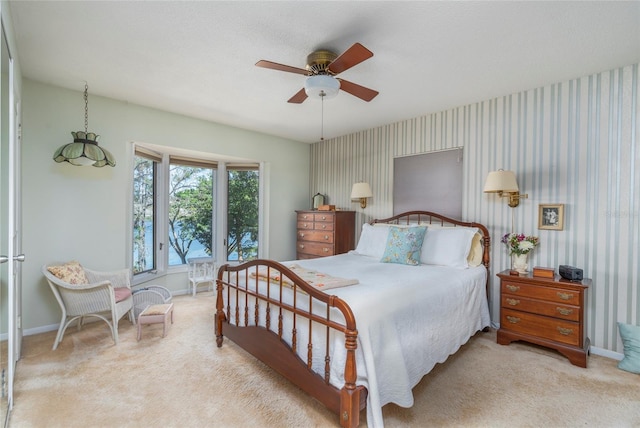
(359, 330)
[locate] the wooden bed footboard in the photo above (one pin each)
(279, 319)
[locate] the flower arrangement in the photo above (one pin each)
(518, 243)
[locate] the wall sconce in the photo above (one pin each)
(84, 150)
(361, 191)
(505, 185)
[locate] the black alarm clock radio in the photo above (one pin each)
(569, 272)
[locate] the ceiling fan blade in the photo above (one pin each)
(361, 92)
(352, 56)
(299, 97)
(281, 67)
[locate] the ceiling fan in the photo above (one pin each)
(322, 67)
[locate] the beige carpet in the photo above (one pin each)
(183, 380)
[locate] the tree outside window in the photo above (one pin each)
(187, 211)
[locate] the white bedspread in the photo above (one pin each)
(409, 318)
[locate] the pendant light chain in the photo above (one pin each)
(86, 108)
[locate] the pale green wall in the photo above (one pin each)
(82, 212)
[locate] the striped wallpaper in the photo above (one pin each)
(573, 143)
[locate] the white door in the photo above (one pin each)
(10, 242)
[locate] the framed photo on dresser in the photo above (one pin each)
(551, 216)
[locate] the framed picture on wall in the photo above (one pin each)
(551, 216)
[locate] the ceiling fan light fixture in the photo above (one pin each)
(321, 86)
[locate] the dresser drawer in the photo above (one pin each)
(323, 217)
(305, 224)
(315, 248)
(540, 326)
(558, 310)
(305, 217)
(542, 292)
(323, 225)
(315, 236)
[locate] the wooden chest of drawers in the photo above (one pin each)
(546, 311)
(324, 233)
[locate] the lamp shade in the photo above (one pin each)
(84, 151)
(501, 181)
(361, 190)
(321, 86)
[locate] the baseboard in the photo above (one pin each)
(41, 329)
(606, 353)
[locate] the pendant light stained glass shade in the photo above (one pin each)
(84, 151)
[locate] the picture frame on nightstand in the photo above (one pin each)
(551, 216)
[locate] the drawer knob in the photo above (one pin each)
(302, 235)
(513, 320)
(565, 296)
(326, 250)
(326, 237)
(564, 331)
(301, 246)
(513, 288)
(564, 311)
(513, 302)
(305, 226)
(324, 217)
(304, 216)
(324, 226)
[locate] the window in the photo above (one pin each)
(242, 213)
(191, 209)
(181, 209)
(144, 207)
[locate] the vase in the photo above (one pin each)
(519, 263)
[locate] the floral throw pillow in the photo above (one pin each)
(70, 272)
(404, 245)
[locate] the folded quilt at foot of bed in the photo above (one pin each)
(319, 280)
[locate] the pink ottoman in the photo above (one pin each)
(154, 314)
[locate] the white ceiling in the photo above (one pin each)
(197, 57)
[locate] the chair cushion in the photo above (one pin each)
(122, 293)
(157, 309)
(71, 273)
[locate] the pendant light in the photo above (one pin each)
(84, 150)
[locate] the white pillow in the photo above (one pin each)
(373, 241)
(448, 246)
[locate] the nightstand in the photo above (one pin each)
(550, 312)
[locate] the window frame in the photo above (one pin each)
(161, 251)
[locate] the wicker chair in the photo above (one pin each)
(149, 295)
(97, 299)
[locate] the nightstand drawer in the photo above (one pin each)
(567, 297)
(315, 236)
(540, 326)
(558, 310)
